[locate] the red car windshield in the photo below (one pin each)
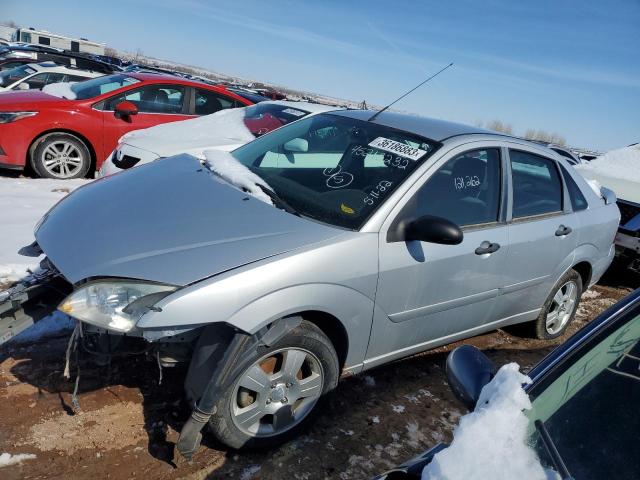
(264, 117)
(101, 85)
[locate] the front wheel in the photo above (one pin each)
(560, 307)
(278, 392)
(61, 155)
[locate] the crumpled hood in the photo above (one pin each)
(225, 127)
(170, 221)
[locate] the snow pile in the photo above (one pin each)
(49, 326)
(62, 90)
(491, 442)
(231, 170)
(24, 201)
(7, 459)
(194, 135)
(618, 170)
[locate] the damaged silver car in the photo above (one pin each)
(334, 244)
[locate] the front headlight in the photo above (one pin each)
(8, 117)
(114, 305)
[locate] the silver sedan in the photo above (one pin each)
(334, 244)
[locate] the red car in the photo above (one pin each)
(63, 138)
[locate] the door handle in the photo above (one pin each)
(487, 247)
(562, 231)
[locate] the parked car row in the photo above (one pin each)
(16, 55)
(35, 76)
(67, 136)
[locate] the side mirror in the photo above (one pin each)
(297, 145)
(23, 86)
(468, 370)
(125, 109)
(608, 195)
(427, 228)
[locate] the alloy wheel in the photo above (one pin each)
(277, 392)
(561, 308)
(62, 159)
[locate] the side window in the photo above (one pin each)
(35, 82)
(465, 190)
(54, 78)
(152, 99)
(578, 202)
(75, 78)
(208, 102)
(44, 40)
(537, 188)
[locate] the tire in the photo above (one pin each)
(278, 403)
(60, 155)
(567, 291)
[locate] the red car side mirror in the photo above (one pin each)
(126, 109)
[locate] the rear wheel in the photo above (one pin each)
(560, 307)
(61, 155)
(278, 393)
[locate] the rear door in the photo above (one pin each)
(543, 233)
(206, 102)
(157, 103)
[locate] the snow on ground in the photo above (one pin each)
(230, 169)
(618, 170)
(24, 201)
(7, 459)
(61, 89)
(491, 441)
(49, 326)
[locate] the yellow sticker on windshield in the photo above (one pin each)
(346, 209)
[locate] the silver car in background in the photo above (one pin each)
(334, 244)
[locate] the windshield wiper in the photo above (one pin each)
(277, 201)
(551, 449)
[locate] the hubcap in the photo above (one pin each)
(277, 392)
(561, 308)
(62, 159)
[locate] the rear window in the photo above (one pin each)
(537, 188)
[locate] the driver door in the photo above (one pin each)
(430, 294)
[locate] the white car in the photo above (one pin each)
(35, 76)
(224, 130)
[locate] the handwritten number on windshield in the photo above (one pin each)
(337, 178)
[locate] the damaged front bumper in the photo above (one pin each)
(31, 299)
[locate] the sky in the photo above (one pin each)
(569, 67)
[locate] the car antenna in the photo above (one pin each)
(373, 117)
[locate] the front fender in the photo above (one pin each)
(353, 309)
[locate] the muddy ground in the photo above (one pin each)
(128, 423)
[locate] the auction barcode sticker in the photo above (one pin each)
(398, 148)
(293, 111)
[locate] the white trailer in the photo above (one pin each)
(7, 32)
(42, 37)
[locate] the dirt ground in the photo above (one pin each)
(128, 423)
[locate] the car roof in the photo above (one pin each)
(431, 128)
(167, 77)
(308, 106)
